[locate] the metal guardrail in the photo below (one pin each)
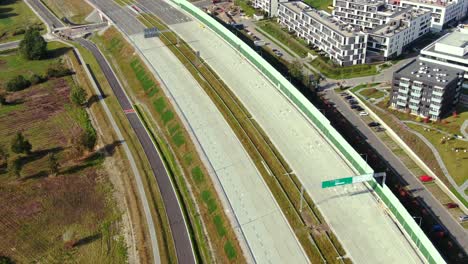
(420, 239)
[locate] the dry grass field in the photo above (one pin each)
(70, 217)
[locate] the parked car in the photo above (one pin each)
(379, 129)
(426, 178)
(259, 43)
(463, 218)
(344, 94)
(363, 113)
(451, 205)
(374, 124)
(352, 101)
(353, 106)
(349, 97)
(359, 108)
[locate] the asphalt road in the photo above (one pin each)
(9, 45)
(455, 229)
(126, 21)
(168, 14)
(175, 216)
(45, 14)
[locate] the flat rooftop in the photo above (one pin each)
(454, 44)
(400, 20)
(429, 72)
(326, 19)
(366, 2)
(432, 2)
(456, 39)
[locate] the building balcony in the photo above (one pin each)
(439, 93)
(416, 88)
(434, 107)
(416, 94)
(414, 100)
(436, 100)
(402, 98)
(401, 103)
(435, 113)
(414, 107)
(404, 84)
(403, 91)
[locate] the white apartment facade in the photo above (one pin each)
(451, 50)
(343, 43)
(364, 13)
(268, 6)
(443, 11)
(401, 29)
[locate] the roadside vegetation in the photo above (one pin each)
(73, 10)
(15, 18)
(246, 6)
(320, 4)
(57, 199)
(318, 241)
(179, 152)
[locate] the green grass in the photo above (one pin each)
(320, 4)
(218, 221)
(74, 10)
(210, 202)
(372, 93)
(248, 9)
(15, 17)
(330, 70)
(197, 174)
(274, 30)
(5, 109)
(364, 85)
(455, 162)
(230, 250)
(12, 65)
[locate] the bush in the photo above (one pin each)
(20, 145)
(33, 46)
(57, 71)
(18, 83)
(36, 79)
(78, 95)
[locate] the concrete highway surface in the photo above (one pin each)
(456, 230)
(183, 244)
(359, 220)
(261, 228)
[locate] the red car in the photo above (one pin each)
(426, 178)
(451, 205)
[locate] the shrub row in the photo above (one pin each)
(19, 82)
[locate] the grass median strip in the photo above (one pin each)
(310, 228)
(167, 129)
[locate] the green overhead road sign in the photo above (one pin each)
(351, 180)
(337, 182)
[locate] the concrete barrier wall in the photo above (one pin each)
(391, 201)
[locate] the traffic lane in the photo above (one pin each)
(168, 14)
(123, 17)
(111, 78)
(45, 13)
(453, 227)
(176, 219)
(179, 230)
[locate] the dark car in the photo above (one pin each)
(344, 94)
(359, 108)
(352, 102)
(349, 97)
(373, 124)
(354, 106)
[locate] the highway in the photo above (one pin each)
(259, 223)
(455, 229)
(9, 45)
(183, 244)
(361, 223)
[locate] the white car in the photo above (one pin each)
(363, 113)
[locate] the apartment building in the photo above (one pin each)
(426, 89)
(268, 6)
(366, 14)
(443, 11)
(345, 44)
(451, 50)
(404, 26)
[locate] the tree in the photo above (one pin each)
(5, 260)
(33, 46)
(295, 69)
(3, 154)
(88, 138)
(18, 83)
(20, 145)
(53, 164)
(78, 95)
(14, 167)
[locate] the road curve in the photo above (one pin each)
(183, 244)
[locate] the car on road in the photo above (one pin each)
(363, 113)
(463, 218)
(373, 124)
(451, 205)
(426, 178)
